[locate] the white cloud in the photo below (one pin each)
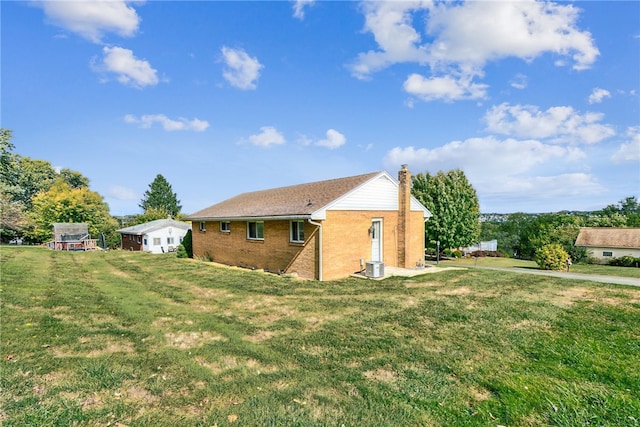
(598, 95)
(446, 88)
(93, 19)
(130, 71)
(519, 81)
(333, 140)
(299, 6)
(629, 151)
(458, 39)
(119, 192)
(146, 121)
(268, 136)
(558, 124)
(507, 168)
(242, 70)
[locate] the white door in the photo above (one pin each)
(376, 240)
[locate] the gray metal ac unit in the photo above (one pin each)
(374, 269)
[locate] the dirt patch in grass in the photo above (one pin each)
(94, 347)
(183, 340)
(259, 336)
(227, 363)
(382, 375)
(411, 284)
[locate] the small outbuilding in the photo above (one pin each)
(161, 235)
(606, 243)
(72, 237)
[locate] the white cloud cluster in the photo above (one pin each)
(454, 51)
(170, 125)
(598, 95)
(559, 124)
(128, 69)
(629, 151)
(299, 7)
(333, 140)
(242, 70)
(268, 136)
(504, 168)
(93, 19)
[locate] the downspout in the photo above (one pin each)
(319, 225)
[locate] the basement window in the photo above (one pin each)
(255, 230)
(225, 226)
(607, 253)
(297, 231)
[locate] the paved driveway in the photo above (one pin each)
(631, 281)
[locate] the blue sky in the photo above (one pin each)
(537, 102)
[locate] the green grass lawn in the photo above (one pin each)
(120, 338)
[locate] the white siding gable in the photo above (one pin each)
(379, 194)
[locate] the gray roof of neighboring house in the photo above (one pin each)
(296, 200)
(151, 226)
(609, 237)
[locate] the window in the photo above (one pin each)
(156, 241)
(607, 253)
(203, 226)
(169, 240)
(145, 241)
(138, 239)
(225, 226)
(255, 230)
(297, 231)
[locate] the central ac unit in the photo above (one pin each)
(374, 269)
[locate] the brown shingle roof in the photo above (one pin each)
(608, 237)
(302, 199)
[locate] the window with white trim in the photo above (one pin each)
(297, 231)
(203, 226)
(169, 240)
(156, 241)
(255, 230)
(225, 226)
(607, 253)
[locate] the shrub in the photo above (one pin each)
(187, 242)
(456, 253)
(625, 261)
(181, 252)
(552, 257)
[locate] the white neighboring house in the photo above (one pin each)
(159, 236)
(606, 243)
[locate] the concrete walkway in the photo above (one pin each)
(429, 268)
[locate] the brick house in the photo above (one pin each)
(159, 236)
(321, 230)
(606, 243)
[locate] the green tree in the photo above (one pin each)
(150, 214)
(160, 196)
(61, 203)
(74, 179)
(12, 218)
(454, 204)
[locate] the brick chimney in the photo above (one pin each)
(404, 209)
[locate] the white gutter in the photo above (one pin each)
(319, 225)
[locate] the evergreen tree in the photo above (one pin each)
(160, 196)
(454, 204)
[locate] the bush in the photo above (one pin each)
(456, 253)
(181, 252)
(552, 257)
(625, 261)
(188, 244)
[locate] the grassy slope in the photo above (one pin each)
(98, 338)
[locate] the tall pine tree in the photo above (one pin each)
(160, 196)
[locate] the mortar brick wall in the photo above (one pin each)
(130, 245)
(275, 253)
